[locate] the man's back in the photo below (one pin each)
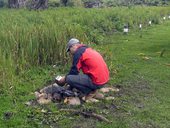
(93, 64)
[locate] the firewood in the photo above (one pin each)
(87, 114)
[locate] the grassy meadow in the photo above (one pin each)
(31, 42)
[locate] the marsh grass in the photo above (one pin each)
(39, 37)
(30, 41)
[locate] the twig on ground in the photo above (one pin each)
(162, 53)
(87, 114)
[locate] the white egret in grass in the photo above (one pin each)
(140, 26)
(125, 29)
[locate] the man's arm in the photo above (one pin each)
(61, 81)
(76, 58)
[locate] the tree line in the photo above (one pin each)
(43, 4)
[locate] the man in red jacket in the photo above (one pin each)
(95, 73)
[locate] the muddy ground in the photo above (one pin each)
(132, 95)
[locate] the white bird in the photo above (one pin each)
(140, 26)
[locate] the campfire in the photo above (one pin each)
(56, 93)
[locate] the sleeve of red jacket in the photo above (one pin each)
(76, 60)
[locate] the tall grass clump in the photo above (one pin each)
(38, 38)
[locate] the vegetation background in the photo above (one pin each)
(32, 52)
(104, 3)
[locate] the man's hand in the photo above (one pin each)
(60, 81)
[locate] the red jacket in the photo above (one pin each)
(92, 64)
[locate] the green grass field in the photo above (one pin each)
(136, 66)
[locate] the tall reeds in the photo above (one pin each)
(35, 38)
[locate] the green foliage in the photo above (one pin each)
(75, 3)
(143, 100)
(39, 38)
(32, 39)
(110, 3)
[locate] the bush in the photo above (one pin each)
(53, 4)
(39, 38)
(75, 3)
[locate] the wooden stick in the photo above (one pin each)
(94, 115)
(162, 53)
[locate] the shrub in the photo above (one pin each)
(75, 3)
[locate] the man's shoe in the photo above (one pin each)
(90, 95)
(99, 96)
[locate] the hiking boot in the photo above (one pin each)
(99, 96)
(90, 95)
